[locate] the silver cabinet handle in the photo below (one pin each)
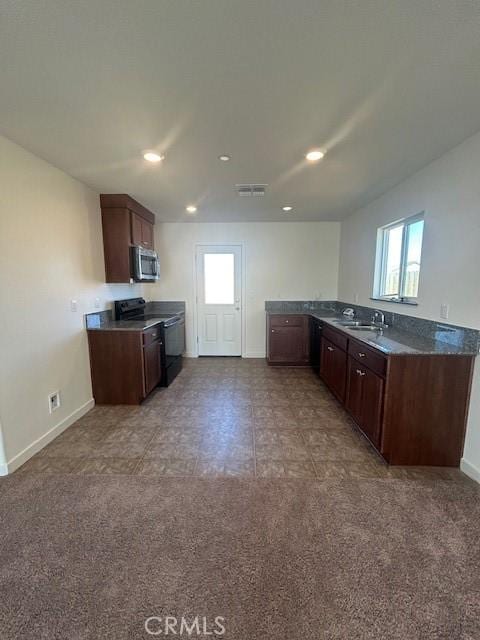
(361, 355)
(286, 321)
(273, 330)
(360, 373)
(330, 348)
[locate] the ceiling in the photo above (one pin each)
(383, 86)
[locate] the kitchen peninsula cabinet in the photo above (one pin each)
(125, 365)
(411, 402)
(412, 408)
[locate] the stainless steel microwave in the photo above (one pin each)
(146, 267)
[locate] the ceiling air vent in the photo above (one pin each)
(250, 189)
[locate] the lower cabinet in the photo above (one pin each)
(288, 340)
(152, 366)
(125, 365)
(333, 368)
(413, 408)
(364, 399)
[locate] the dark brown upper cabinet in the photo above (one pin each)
(125, 223)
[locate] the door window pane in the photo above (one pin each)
(219, 274)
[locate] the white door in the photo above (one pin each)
(219, 296)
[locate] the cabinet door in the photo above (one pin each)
(315, 337)
(142, 232)
(365, 399)
(333, 368)
(287, 345)
(136, 222)
(152, 368)
(147, 235)
(353, 399)
(372, 406)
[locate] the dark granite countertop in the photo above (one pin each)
(392, 342)
(125, 325)
(157, 313)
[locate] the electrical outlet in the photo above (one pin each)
(73, 306)
(54, 401)
(444, 311)
(355, 298)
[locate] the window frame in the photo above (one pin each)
(381, 259)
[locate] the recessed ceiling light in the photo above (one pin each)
(151, 156)
(314, 155)
(288, 208)
(224, 158)
(191, 208)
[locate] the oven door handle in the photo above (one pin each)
(175, 321)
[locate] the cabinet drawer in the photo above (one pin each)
(287, 321)
(334, 336)
(150, 335)
(367, 357)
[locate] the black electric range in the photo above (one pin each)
(172, 334)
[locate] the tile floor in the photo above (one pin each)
(225, 417)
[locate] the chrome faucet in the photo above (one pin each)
(379, 315)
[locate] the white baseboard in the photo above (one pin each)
(250, 354)
(470, 470)
(41, 442)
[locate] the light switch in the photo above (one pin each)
(444, 311)
(97, 303)
(73, 306)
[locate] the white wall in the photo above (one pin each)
(50, 252)
(288, 260)
(448, 190)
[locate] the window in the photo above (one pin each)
(219, 278)
(399, 253)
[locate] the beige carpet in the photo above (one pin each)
(89, 557)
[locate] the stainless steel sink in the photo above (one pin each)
(365, 327)
(348, 323)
